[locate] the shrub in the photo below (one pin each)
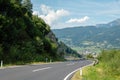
(111, 62)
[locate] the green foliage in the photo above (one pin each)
(64, 50)
(40, 26)
(107, 69)
(28, 5)
(97, 73)
(111, 61)
(89, 56)
(23, 37)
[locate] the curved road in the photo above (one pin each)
(53, 71)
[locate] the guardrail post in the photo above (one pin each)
(1, 63)
(80, 71)
(50, 60)
(46, 60)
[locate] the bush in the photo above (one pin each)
(111, 60)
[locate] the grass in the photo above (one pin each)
(107, 69)
(77, 76)
(32, 63)
(94, 73)
(19, 64)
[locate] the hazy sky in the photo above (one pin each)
(70, 13)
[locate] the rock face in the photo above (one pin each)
(62, 49)
(52, 37)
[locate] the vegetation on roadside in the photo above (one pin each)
(25, 38)
(77, 76)
(107, 69)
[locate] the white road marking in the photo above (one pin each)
(70, 74)
(71, 64)
(41, 69)
(66, 78)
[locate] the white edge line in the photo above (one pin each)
(75, 71)
(70, 74)
(41, 69)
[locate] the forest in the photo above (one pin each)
(25, 37)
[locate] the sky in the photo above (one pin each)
(72, 13)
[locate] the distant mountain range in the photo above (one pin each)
(99, 36)
(110, 24)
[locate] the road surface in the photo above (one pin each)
(53, 71)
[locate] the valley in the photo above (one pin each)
(91, 38)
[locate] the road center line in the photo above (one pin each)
(71, 64)
(41, 69)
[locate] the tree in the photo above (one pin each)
(24, 37)
(28, 5)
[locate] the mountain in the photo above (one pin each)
(110, 24)
(99, 36)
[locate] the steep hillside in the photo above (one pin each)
(102, 36)
(25, 37)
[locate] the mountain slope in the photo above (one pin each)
(25, 37)
(104, 36)
(110, 24)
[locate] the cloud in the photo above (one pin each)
(35, 13)
(45, 9)
(50, 15)
(80, 20)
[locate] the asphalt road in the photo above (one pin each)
(53, 71)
